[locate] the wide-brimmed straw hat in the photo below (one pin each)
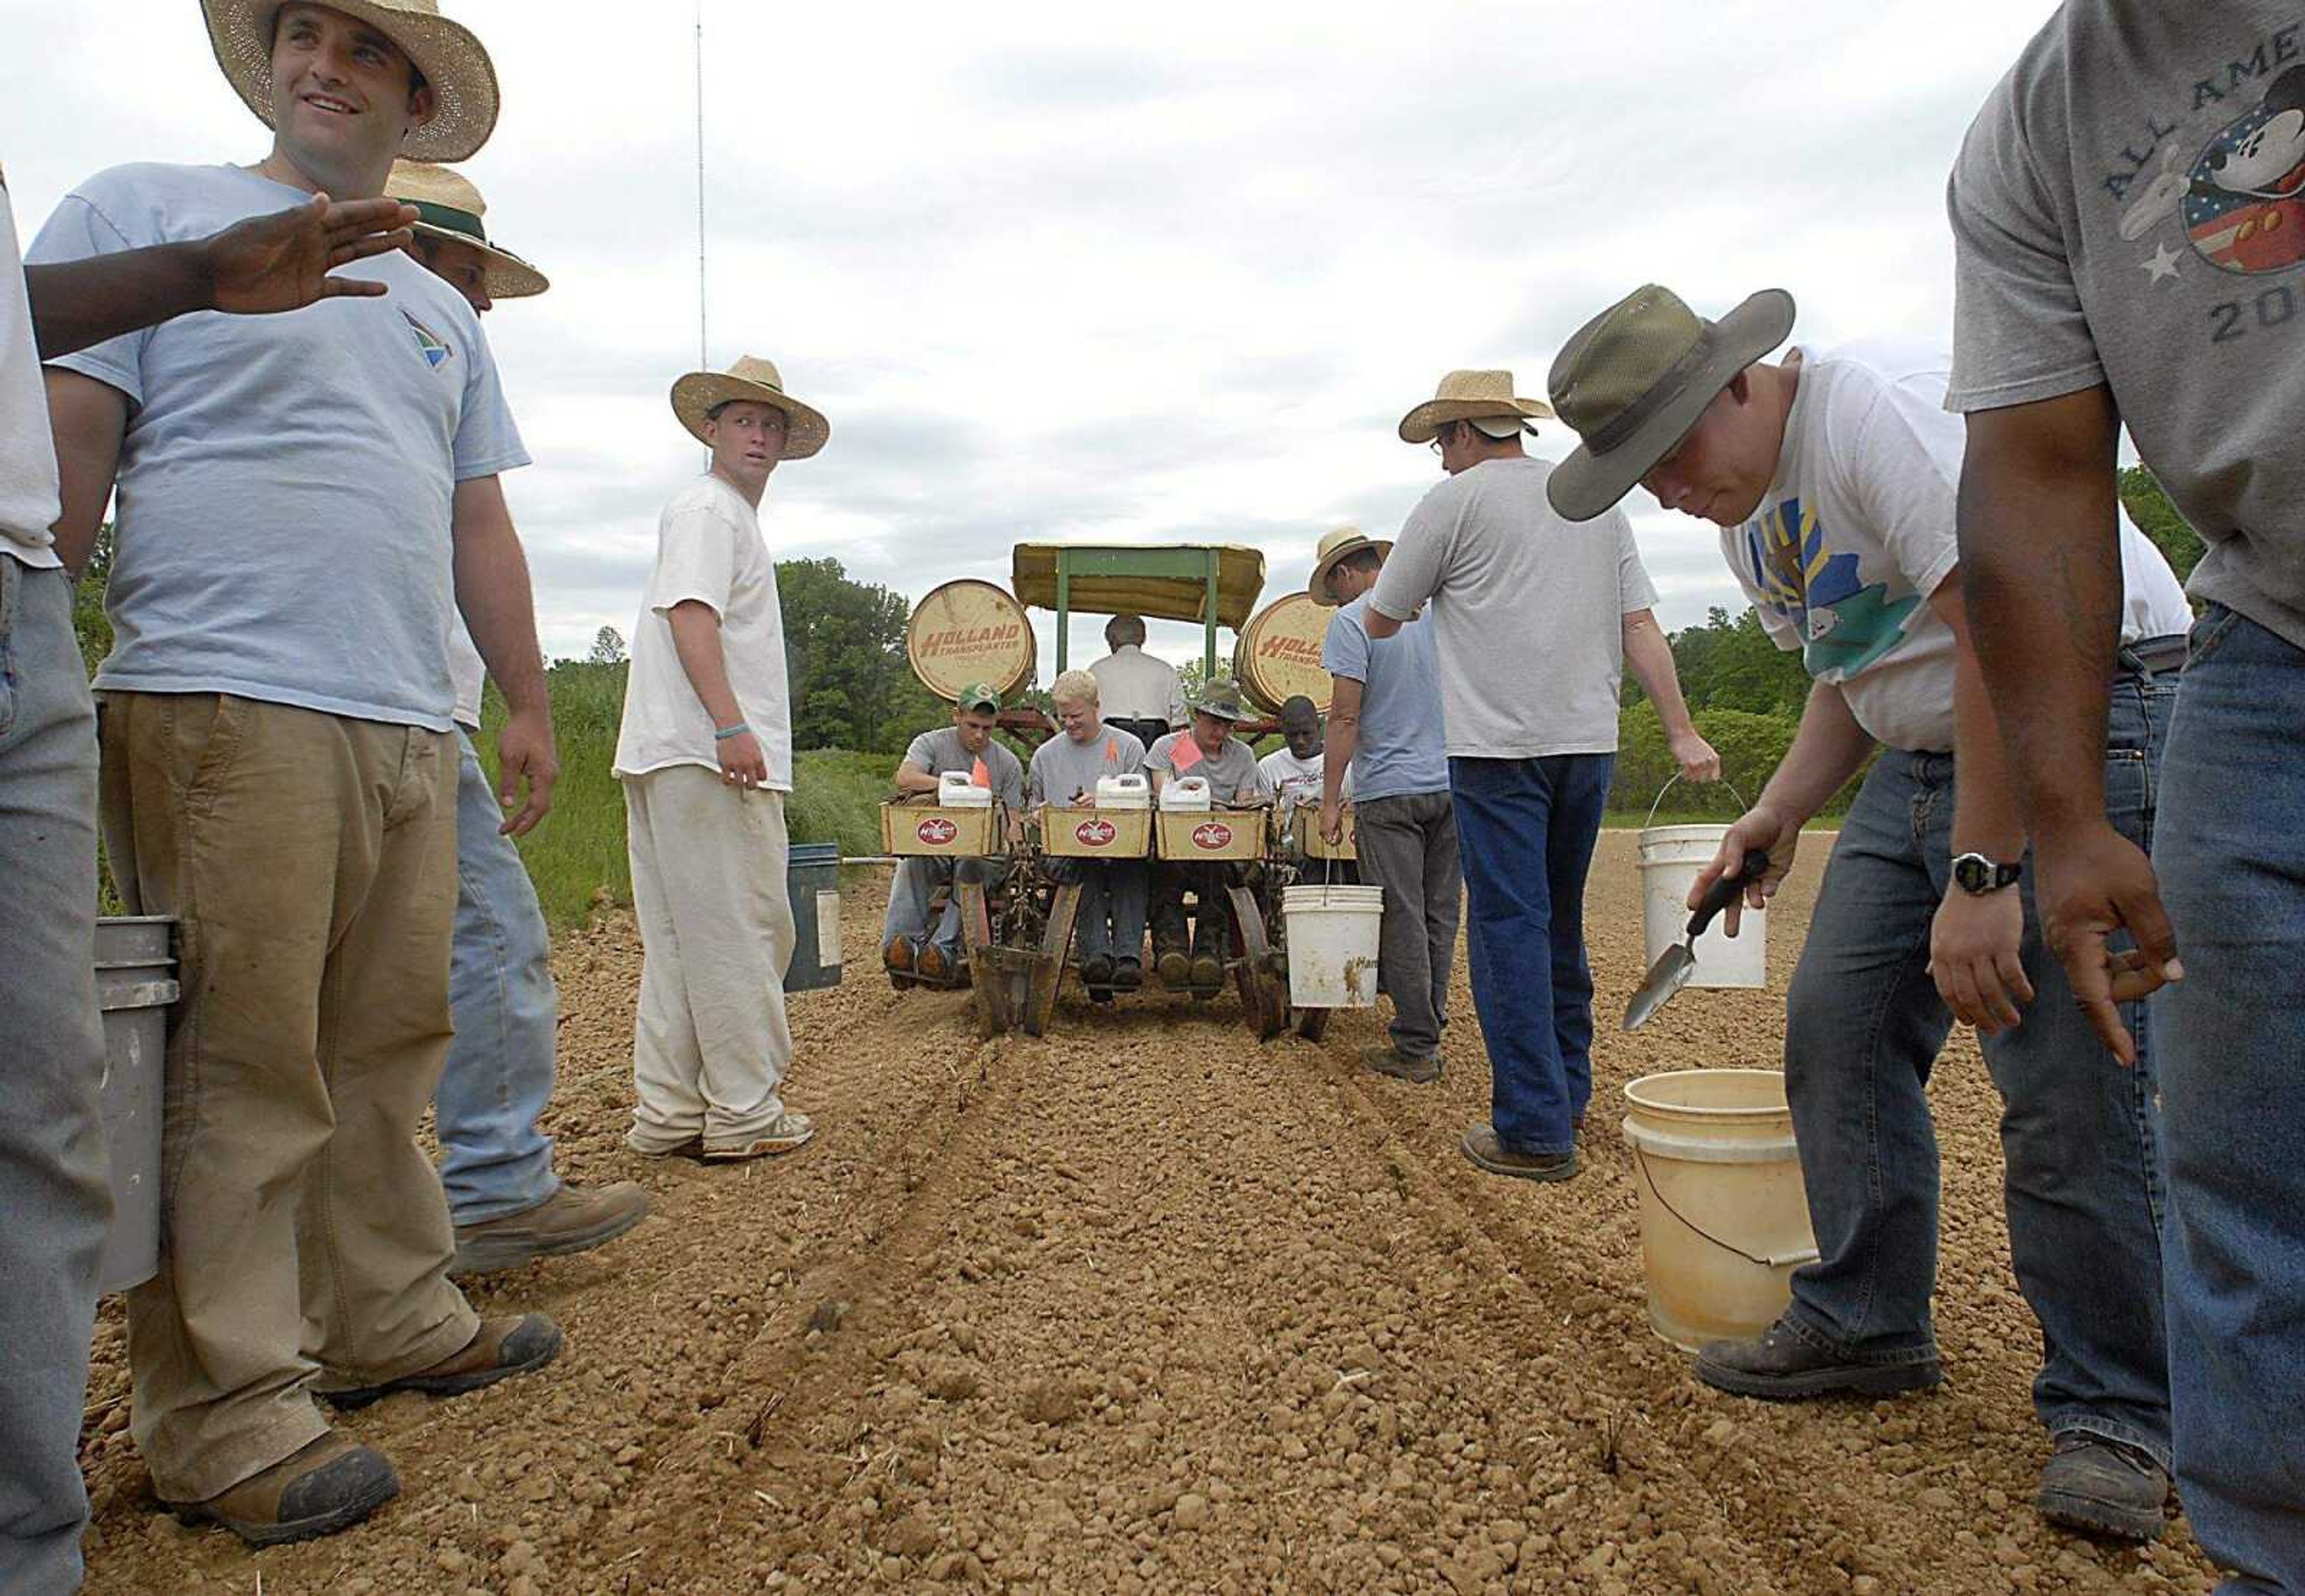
(1221, 698)
(1469, 396)
(694, 396)
(450, 56)
(1635, 378)
(449, 208)
(1341, 544)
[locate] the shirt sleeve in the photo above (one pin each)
(1635, 591)
(79, 229)
(1036, 786)
(921, 755)
(1010, 783)
(1345, 650)
(1413, 570)
(488, 442)
(1132, 754)
(698, 561)
(1178, 714)
(1161, 755)
(2019, 333)
(1905, 491)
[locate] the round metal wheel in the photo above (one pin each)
(1262, 1002)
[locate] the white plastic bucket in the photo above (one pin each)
(1724, 1220)
(135, 986)
(1671, 858)
(1332, 941)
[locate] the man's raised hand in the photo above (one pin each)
(282, 261)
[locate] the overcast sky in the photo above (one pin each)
(1138, 274)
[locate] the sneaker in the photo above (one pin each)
(499, 1349)
(1487, 1150)
(1096, 970)
(787, 1133)
(2103, 1486)
(692, 1149)
(1127, 974)
(1389, 1060)
(329, 1485)
(572, 1219)
(1782, 1365)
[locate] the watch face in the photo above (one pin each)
(1972, 872)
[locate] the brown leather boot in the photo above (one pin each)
(572, 1219)
(329, 1485)
(502, 1347)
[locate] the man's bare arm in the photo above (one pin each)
(89, 418)
(492, 591)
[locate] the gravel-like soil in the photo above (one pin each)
(1146, 1307)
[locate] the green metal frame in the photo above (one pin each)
(1184, 565)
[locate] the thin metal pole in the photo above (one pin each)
(703, 346)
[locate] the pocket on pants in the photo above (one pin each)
(2217, 624)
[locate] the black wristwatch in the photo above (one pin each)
(1976, 875)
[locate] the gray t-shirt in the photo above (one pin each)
(1528, 611)
(286, 482)
(1063, 769)
(1230, 770)
(1403, 752)
(2129, 209)
(940, 751)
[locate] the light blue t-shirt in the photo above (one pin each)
(1403, 750)
(285, 485)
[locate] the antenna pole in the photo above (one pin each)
(703, 346)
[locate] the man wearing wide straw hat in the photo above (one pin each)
(509, 1204)
(1534, 623)
(1833, 476)
(705, 756)
(1205, 748)
(1385, 735)
(304, 502)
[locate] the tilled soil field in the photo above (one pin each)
(1146, 1307)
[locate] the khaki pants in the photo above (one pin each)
(710, 1044)
(305, 1236)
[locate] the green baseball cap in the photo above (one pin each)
(979, 696)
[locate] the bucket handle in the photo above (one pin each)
(1803, 1255)
(1675, 776)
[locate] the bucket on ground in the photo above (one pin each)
(1331, 936)
(812, 877)
(1671, 858)
(135, 984)
(1724, 1221)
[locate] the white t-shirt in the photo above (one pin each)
(1133, 685)
(709, 548)
(1858, 530)
(1293, 781)
(28, 460)
(469, 671)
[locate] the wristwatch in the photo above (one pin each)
(1976, 875)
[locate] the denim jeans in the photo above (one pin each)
(1111, 923)
(1408, 845)
(52, 1167)
(2231, 855)
(1525, 830)
(913, 893)
(498, 1079)
(1863, 1027)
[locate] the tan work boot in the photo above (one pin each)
(329, 1485)
(572, 1219)
(499, 1349)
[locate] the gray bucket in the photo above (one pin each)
(813, 877)
(135, 984)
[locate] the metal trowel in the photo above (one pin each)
(1674, 966)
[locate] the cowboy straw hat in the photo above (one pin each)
(1469, 396)
(696, 395)
(1341, 544)
(1635, 378)
(452, 59)
(449, 208)
(1221, 698)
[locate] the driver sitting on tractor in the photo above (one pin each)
(1209, 749)
(1065, 771)
(966, 745)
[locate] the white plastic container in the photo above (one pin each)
(1333, 945)
(1189, 792)
(1671, 858)
(957, 790)
(135, 986)
(1724, 1219)
(1124, 792)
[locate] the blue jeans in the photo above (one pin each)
(1864, 1025)
(2231, 856)
(498, 1078)
(1111, 923)
(1525, 830)
(52, 1167)
(913, 895)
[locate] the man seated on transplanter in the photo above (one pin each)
(908, 943)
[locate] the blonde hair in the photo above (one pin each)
(1076, 687)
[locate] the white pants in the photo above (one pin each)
(710, 1043)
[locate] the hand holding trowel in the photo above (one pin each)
(1674, 966)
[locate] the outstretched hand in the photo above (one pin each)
(282, 261)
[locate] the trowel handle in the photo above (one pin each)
(1723, 892)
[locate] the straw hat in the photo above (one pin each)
(452, 59)
(695, 395)
(1469, 396)
(1635, 378)
(1339, 545)
(449, 208)
(1222, 700)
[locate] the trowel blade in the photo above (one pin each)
(1667, 976)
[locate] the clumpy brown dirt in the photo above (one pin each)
(1146, 1307)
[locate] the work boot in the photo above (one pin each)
(1390, 1060)
(2103, 1486)
(572, 1219)
(1486, 1148)
(1173, 965)
(1096, 970)
(1206, 975)
(787, 1133)
(896, 954)
(328, 1485)
(1782, 1365)
(931, 964)
(499, 1349)
(1127, 974)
